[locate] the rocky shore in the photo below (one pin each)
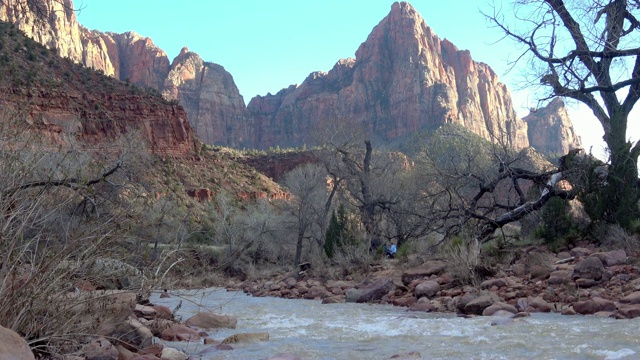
(582, 281)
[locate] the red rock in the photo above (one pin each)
(207, 320)
(202, 195)
(593, 306)
(179, 332)
(163, 312)
(100, 349)
(589, 268)
(211, 98)
(423, 272)
(550, 130)
(378, 88)
(612, 258)
(633, 298)
(404, 301)
(629, 311)
(498, 283)
(13, 346)
(376, 290)
(478, 305)
(499, 306)
(427, 288)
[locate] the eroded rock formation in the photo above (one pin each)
(551, 130)
(210, 97)
(404, 78)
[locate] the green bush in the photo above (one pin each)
(557, 224)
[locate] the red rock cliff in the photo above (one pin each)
(551, 130)
(210, 97)
(404, 78)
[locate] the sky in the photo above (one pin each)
(268, 45)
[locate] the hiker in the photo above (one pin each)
(390, 251)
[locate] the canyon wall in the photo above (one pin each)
(404, 78)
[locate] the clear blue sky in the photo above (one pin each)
(269, 45)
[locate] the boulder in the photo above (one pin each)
(586, 283)
(589, 268)
(206, 320)
(463, 300)
(611, 258)
(580, 252)
(376, 290)
(478, 305)
(337, 299)
(147, 312)
(539, 304)
(352, 295)
(179, 332)
(100, 349)
(427, 288)
(132, 333)
(163, 312)
(246, 337)
(497, 307)
(631, 311)
(633, 298)
(13, 346)
(594, 305)
(488, 284)
(540, 271)
(429, 268)
(316, 292)
(559, 277)
(173, 354)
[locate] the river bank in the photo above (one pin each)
(584, 280)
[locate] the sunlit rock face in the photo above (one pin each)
(210, 97)
(551, 130)
(404, 78)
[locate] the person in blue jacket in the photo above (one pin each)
(391, 250)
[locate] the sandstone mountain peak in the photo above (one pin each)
(404, 78)
(550, 129)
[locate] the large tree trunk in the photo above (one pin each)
(621, 195)
(296, 261)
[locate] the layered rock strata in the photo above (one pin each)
(404, 78)
(550, 129)
(210, 97)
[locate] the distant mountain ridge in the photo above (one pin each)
(404, 78)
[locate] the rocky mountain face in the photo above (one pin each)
(64, 101)
(404, 78)
(210, 97)
(551, 130)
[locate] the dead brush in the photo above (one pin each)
(46, 242)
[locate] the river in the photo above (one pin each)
(312, 330)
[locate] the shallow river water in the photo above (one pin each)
(312, 330)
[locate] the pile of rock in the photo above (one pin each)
(581, 281)
(128, 328)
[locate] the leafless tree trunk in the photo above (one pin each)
(588, 51)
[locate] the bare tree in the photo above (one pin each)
(308, 187)
(588, 51)
(240, 229)
(469, 183)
